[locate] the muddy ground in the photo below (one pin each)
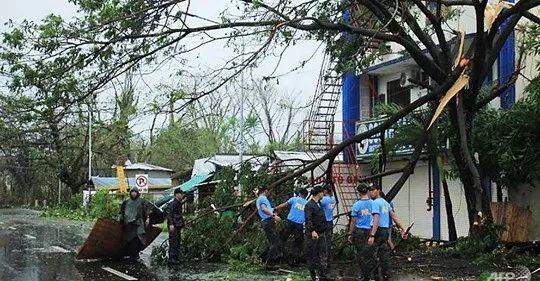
(36, 248)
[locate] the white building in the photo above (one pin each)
(421, 199)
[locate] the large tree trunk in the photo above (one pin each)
(478, 206)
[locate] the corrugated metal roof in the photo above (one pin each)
(146, 167)
(143, 167)
(208, 165)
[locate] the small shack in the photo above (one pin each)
(153, 171)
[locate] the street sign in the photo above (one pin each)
(142, 182)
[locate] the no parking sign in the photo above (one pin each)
(142, 182)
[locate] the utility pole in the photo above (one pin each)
(89, 150)
(241, 137)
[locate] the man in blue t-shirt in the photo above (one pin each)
(359, 229)
(268, 223)
(382, 216)
(295, 223)
(328, 203)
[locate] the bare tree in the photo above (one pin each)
(276, 112)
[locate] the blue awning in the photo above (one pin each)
(188, 186)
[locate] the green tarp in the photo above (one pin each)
(186, 187)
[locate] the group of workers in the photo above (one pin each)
(310, 221)
(306, 217)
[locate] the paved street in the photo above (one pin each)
(36, 248)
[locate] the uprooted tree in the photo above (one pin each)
(65, 62)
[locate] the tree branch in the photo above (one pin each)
(466, 154)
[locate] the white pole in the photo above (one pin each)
(59, 190)
(89, 141)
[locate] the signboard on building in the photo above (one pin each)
(370, 145)
(345, 178)
(141, 181)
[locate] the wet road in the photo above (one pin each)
(36, 248)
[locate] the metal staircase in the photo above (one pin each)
(319, 126)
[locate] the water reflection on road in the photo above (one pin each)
(35, 248)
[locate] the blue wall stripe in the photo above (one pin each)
(506, 69)
(351, 110)
(350, 91)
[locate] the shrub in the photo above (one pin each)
(242, 258)
(104, 205)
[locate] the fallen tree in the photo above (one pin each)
(73, 60)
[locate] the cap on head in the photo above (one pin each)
(317, 189)
(134, 189)
(362, 188)
(374, 187)
(302, 192)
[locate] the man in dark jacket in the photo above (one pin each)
(134, 215)
(175, 222)
(316, 227)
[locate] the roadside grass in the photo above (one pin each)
(103, 206)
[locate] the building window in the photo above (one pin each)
(398, 94)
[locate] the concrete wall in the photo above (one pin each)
(528, 196)
(410, 203)
(365, 100)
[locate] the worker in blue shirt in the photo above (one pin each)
(359, 229)
(268, 222)
(378, 237)
(295, 223)
(390, 241)
(328, 203)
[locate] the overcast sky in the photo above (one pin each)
(301, 82)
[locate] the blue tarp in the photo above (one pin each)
(109, 182)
